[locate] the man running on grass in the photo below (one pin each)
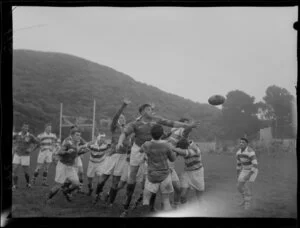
(66, 176)
(141, 128)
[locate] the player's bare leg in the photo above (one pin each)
(90, 186)
(36, 173)
(177, 193)
(166, 202)
(101, 182)
(45, 174)
(241, 189)
(140, 199)
(183, 195)
(130, 188)
(54, 190)
(80, 175)
(247, 195)
(27, 177)
(15, 176)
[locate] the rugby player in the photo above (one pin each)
(24, 144)
(48, 142)
(66, 176)
(141, 127)
(247, 170)
(116, 159)
(96, 161)
(193, 175)
(158, 153)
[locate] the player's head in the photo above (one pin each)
(25, 127)
(48, 127)
(145, 109)
(243, 143)
(183, 143)
(122, 120)
(184, 120)
(101, 138)
(157, 132)
(75, 133)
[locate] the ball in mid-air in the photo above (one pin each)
(216, 100)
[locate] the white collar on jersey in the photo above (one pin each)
(27, 133)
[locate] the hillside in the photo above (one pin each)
(43, 80)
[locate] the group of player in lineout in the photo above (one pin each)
(138, 152)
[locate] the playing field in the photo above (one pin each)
(274, 192)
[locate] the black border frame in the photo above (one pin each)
(6, 104)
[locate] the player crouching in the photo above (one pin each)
(158, 153)
(66, 176)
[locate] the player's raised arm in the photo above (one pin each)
(128, 130)
(116, 117)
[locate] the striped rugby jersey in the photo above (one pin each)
(47, 141)
(97, 152)
(246, 159)
(192, 159)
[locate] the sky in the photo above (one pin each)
(190, 52)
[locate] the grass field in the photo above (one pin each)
(274, 192)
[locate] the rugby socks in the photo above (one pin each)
(100, 188)
(112, 195)
(139, 200)
(129, 193)
(53, 192)
(27, 177)
(90, 187)
(45, 174)
(152, 201)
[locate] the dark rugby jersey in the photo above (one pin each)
(158, 153)
(23, 143)
(142, 130)
(69, 158)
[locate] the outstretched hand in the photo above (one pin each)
(126, 101)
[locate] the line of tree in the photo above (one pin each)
(241, 115)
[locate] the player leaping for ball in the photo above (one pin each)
(142, 128)
(66, 176)
(116, 160)
(48, 142)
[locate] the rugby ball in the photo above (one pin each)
(216, 100)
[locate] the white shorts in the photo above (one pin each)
(94, 169)
(65, 172)
(114, 164)
(136, 158)
(140, 175)
(45, 157)
(78, 162)
(21, 160)
(165, 186)
(244, 173)
(193, 179)
(174, 175)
